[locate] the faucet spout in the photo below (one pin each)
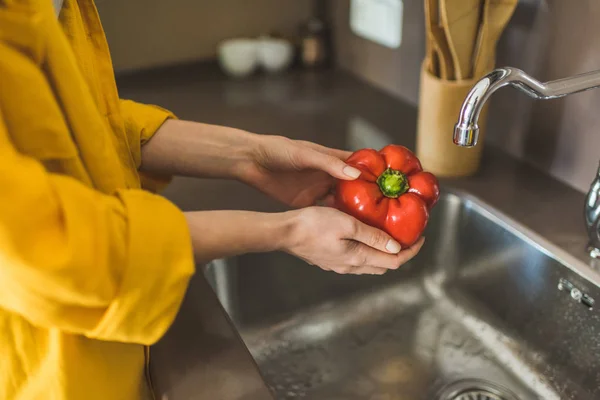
(466, 130)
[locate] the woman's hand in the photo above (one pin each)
(297, 173)
(321, 236)
(337, 242)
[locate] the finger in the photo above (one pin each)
(341, 154)
(309, 158)
(370, 271)
(387, 263)
(328, 201)
(375, 238)
(363, 256)
(359, 257)
(359, 270)
(412, 251)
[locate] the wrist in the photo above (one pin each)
(290, 223)
(280, 229)
(250, 170)
(217, 234)
(243, 153)
(200, 150)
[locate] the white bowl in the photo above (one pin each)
(238, 57)
(275, 54)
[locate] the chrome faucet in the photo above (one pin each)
(466, 130)
(592, 216)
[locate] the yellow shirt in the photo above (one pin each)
(93, 268)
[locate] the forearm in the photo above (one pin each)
(218, 234)
(200, 150)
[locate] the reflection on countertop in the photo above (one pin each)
(334, 109)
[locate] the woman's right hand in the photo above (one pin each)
(321, 236)
(335, 241)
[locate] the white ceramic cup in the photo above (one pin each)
(275, 55)
(238, 57)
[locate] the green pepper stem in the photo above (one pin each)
(392, 183)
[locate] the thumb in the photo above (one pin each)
(329, 164)
(376, 238)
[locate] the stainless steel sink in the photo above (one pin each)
(488, 310)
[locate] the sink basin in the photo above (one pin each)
(487, 310)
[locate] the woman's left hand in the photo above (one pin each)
(297, 173)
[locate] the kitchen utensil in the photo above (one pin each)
(496, 15)
(479, 39)
(439, 42)
(443, 52)
(460, 20)
(431, 56)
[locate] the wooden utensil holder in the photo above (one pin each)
(439, 105)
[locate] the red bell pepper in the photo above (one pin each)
(392, 193)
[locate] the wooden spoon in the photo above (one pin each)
(438, 40)
(460, 20)
(431, 56)
(496, 15)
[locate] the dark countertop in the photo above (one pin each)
(334, 109)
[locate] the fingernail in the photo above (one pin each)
(351, 172)
(393, 247)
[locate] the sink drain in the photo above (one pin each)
(477, 395)
(476, 390)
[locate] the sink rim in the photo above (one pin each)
(524, 233)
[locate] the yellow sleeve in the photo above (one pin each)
(143, 120)
(141, 123)
(108, 267)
